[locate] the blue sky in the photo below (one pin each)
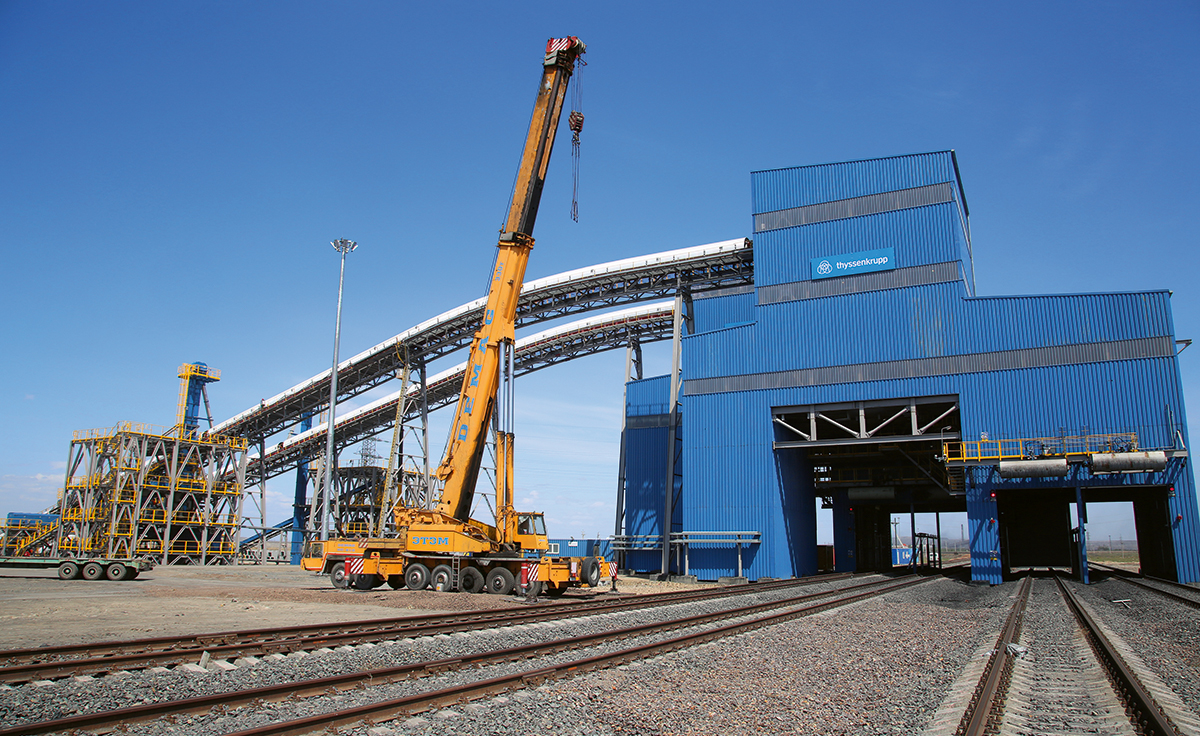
(173, 172)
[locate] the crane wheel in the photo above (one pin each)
(416, 576)
(396, 582)
(591, 571)
(337, 576)
(470, 581)
(500, 581)
(68, 571)
(442, 578)
(93, 571)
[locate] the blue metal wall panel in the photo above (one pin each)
(919, 322)
(731, 475)
(648, 396)
(920, 235)
(779, 189)
(716, 313)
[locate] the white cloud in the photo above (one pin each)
(29, 493)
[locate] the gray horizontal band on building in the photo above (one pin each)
(648, 421)
(870, 204)
(934, 273)
(1002, 360)
(728, 291)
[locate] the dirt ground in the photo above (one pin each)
(38, 609)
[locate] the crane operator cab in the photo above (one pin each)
(531, 533)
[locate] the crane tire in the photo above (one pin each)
(337, 576)
(471, 580)
(500, 581)
(396, 582)
(93, 571)
(416, 576)
(590, 573)
(444, 576)
(68, 571)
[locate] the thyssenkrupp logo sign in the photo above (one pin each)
(882, 259)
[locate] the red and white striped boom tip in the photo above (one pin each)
(562, 44)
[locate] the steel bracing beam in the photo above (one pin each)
(645, 278)
(604, 332)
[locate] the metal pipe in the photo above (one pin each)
(342, 246)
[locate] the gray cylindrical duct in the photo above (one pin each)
(1052, 468)
(1129, 462)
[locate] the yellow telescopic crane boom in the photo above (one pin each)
(459, 469)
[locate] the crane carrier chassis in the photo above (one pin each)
(370, 562)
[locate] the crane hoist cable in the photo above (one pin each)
(575, 123)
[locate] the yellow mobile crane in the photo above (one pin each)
(443, 546)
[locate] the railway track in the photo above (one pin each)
(23, 665)
(1054, 669)
(1178, 592)
(535, 663)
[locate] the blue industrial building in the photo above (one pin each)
(861, 368)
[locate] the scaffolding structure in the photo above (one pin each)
(172, 496)
(28, 535)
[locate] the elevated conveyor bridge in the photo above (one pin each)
(608, 331)
(628, 281)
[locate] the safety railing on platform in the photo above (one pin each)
(159, 431)
(994, 451)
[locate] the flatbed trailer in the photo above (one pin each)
(72, 568)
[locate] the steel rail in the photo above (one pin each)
(984, 710)
(93, 659)
(388, 675)
(1145, 712)
(1132, 579)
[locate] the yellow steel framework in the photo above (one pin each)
(27, 537)
(993, 451)
(136, 490)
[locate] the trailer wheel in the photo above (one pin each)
(337, 576)
(500, 581)
(416, 576)
(470, 581)
(116, 571)
(68, 571)
(442, 575)
(591, 571)
(93, 571)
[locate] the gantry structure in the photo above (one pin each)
(173, 495)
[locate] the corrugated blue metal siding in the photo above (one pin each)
(779, 189)
(648, 396)
(919, 322)
(921, 235)
(584, 548)
(717, 313)
(731, 475)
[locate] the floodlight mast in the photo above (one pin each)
(342, 246)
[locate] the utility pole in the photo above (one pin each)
(342, 246)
